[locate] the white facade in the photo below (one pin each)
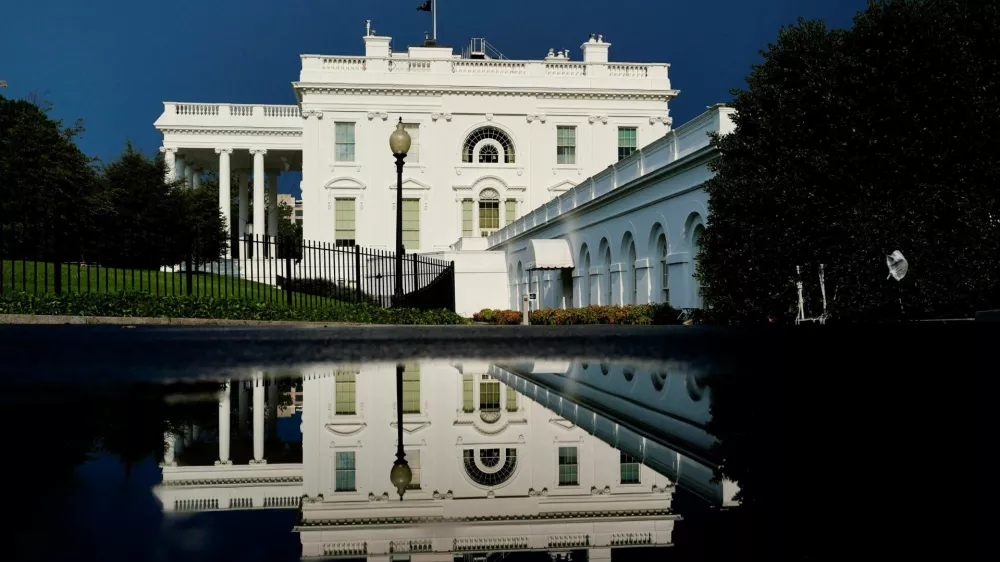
(631, 231)
(491, 139)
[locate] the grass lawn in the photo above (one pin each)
(39, 278)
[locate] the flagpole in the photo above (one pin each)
(434, 16)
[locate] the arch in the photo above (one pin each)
(696, 235)
(629, 283)
(659, 248)
(604, 283)
(501, 141)
(628, 372)
(488, 204)
(584, 275)
(659, 379)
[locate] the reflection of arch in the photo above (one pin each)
(629, 373)
(605, 369)
(584, 276)
(491, 467)
(500, 145)
(658, 380)
(694, 388)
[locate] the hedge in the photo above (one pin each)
(146, 305)
(629, 314)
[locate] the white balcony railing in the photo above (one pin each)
(221, 110)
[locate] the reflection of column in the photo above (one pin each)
(272, 408)
(311, 427)
(224, 426)
(168, 449)
(258, 419)
(244, 406)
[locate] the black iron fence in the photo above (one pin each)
(291, 272)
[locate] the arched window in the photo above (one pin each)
(476, 151)
(584, 276)
(663, 269)
(606, 275)
(629, 285)
(489, 211)
(491, 467)
(696, 252)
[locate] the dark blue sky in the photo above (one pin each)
(113, 62)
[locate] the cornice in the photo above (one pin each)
(255, 131)
(233, 481)
(553, 92)
(549, 516)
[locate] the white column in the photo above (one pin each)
(258, 419)
(224, 426)
(258, 190)
(224, 190)
(189, 174)
(181, 169)
(168, 449)
(244, 205)
(272, 209)
(169, 155)
(195, 178)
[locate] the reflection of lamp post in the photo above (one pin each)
(400, 476)
(399, 142)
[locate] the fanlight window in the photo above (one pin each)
(491, 469)
(488, 153)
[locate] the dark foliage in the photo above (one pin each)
(850, 145)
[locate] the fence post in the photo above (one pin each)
(357, 271)
(288, 248)
(416, 286)
(188, 274)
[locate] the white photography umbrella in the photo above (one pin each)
(897, 265)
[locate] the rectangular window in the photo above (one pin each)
(343, 221)
(411, 224)
(629, 469)
(413, 156)
(345, 393)
(345, 472)
(489, 395)
(511, 399)
(489, 217)
(344, 139)
(467, 217)
(565, 145)
(298, 214)
(411, 389)
(626, 142)
(568, 468)
(413, 459)
(468, 403)
(510, 211)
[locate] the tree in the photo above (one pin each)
(850, 144)
(47, 185)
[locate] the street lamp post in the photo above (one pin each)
(400, 476)
(399, 142)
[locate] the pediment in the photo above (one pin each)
(563, 423)
(562, 186)
(413, 427)
(409, 184)
(345, 183)
(345, 428)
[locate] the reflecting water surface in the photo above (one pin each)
(527, 459)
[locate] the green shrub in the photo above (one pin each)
(632, 314)
(145, 305)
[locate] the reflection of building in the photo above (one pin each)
(493, 471)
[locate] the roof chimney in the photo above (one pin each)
(595, 49)
(377, 47)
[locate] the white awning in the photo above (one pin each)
(549, 254)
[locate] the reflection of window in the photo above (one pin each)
(345, 392)
(629, 469)
(344, 139)
(565, 145)
(345, 472)
(411, 389)
(511, 399)
(488, 154)
(467, 400)
(496, 473)
(413, 459)
(489, 395)
(411, 224)
(626, 142)
(568, 468)
(343, 221)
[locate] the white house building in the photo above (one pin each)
(492, 138)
